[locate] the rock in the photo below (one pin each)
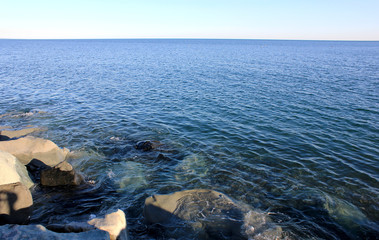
(147, 145)
(28, 148)
(114, 223)
(71, 227)
(39, 232)
(18, 133)
(204, 214)
(13, 171)
(62, 174)
(15, 203)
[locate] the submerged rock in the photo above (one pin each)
(28, 148)
(147, 145)
(18, 133)
(62, 174)
(39, 232)
(13, 170)
(15, 203)
(207, 214)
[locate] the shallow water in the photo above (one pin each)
(287, 127)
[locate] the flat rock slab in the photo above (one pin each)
(13, 170)
(39, 232)
(206, 214)
(15, 203)
(28, 148)
(18, 133)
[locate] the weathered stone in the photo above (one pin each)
(62, 174)
(39, 232)
(15, 203)
(114, 223)
(18, 133)
(13, 171)
(205, 214)
(28, 148)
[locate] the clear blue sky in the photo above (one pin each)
(251, 19)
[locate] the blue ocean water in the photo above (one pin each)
(287, 127)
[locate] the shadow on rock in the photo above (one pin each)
(16, 204)
(205, 214)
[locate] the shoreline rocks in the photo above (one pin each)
(39, 232)
(62, 174)
(114, 223)
(28, 148)
(12, 170)
(16, 203)
(47, 162)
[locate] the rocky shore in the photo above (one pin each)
(27, 161)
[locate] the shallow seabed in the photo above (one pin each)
(287, 127)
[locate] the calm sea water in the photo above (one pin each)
(287, 127)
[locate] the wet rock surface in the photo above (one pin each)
(15, 203)
(207, 214)
(62, 174)
(147, 145)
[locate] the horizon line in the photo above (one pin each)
(164, 38)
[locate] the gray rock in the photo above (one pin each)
(62, 174)
(13, 171)
(39, 232)
(15, 203)
(29, 148)
(205, 214)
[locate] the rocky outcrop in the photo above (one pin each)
(113, 223)
(29, 148)
(18, 133)
(62, 174)
(207, 214)
(15, 203)
(13, 171)
(39, 232)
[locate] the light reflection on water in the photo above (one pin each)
(286, 127)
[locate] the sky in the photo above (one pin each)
(232, 19)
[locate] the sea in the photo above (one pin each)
(290, 128)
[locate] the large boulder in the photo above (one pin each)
(18, 133)
(39, 232)
(62, 174)
(29, 148)
(15, 203)
(13, 170)
(114, 223)
(206, 214)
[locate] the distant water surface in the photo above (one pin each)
(287, 127)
